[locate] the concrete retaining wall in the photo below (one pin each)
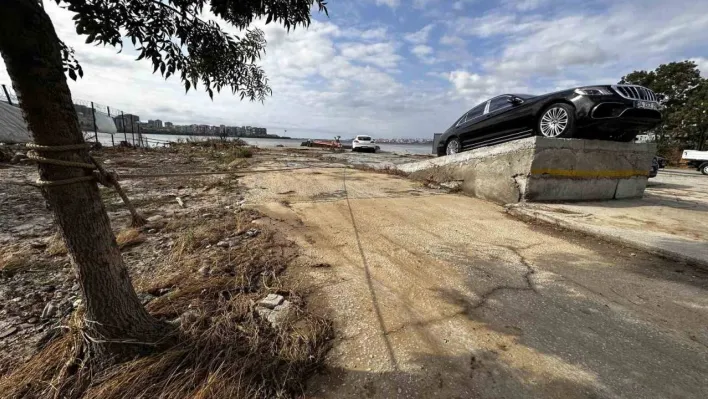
(542, 169)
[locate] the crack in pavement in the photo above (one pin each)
(530, 271)
(424, 323)
(484, 298)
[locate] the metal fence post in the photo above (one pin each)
(9, 100)
(113, 143)
(122, 122)
(95, 128)
(131, 129)
(140, 136)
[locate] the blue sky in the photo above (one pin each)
(408, 68)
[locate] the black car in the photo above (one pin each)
(613, 112)
(661, 161)
(654, 170)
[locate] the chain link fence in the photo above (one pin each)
(99, 123)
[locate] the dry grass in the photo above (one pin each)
(56, 246)
(225, 349)
(129, 237)
(14, 259)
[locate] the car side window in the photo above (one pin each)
(475, 112)
(499, 103)
(461, 120)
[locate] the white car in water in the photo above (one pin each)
(363, 143)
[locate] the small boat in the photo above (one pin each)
(323, 144)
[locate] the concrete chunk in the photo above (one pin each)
(271, 301)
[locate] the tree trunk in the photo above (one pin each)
(31, 50)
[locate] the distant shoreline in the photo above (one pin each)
(382, 141)
(210, 135)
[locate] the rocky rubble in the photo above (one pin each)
(32, 304)
(276, 309)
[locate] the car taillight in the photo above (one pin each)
(356, 141)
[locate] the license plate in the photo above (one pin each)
(646, 105)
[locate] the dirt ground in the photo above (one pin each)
(441, 295)
(38, 288)
(432, 294)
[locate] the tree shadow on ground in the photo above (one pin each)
(477, 374)
(612, 329)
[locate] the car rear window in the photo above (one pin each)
(364, 138)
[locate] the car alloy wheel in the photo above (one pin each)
(453, 147)
(554, 122)
(704, 170)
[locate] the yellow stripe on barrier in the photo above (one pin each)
(590, 174)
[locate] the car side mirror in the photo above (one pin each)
(514, 100)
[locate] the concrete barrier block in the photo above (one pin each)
(543, 169)
(542, 143)
(631, 188)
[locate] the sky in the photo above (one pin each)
(407, 68)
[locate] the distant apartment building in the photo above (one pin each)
(169, 125)
(158, 124)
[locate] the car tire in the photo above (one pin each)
(453, 146)
(556, 121)
(704, 168)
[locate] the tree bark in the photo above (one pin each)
(114, 314)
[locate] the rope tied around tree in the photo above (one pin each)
(99, 173)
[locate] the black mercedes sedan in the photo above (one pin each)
(612, 112)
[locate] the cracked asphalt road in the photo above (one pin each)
(441, 295)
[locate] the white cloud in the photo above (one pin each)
(477, 88)
(390, 3)
(586, 44)
(375, 34)
(380, 54)
(421, 36)
(422, 50)
(451, 40)
(494, 23)
(421, 4)
(702, 63)
(527, 5)
(371, 34)
(460, 4)
(424, 53)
